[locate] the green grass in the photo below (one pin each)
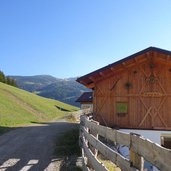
(67, 147)
(68, 144)
(19, 107)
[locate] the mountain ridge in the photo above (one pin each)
(66, 90)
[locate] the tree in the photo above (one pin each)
(11, 81)
(2, 77)
(7, 80)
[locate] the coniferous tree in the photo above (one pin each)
(7, 80)
(13, 82)
(2, 77)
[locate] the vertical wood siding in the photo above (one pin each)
(145, 84)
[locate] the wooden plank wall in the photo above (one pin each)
(148, 97)
(155, 154)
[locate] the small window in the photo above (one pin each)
(166, 140)
(121, 108)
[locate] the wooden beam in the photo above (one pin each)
(110, 154)
(115, 71)
(136, 160)
(168, 58)
(92, 78)
(147, 54)
(114, 84)
(87, 84)
(84, 161)
(154, 153)
(125, 65)
(112, 68)
(95, 79)
(139, 59)
(102, 74)
(83, 82)
(95, 134)
(140, 147)
(91, 85)
(166, 61)
(95, 163)
(108, 133)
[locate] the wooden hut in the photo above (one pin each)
(86, 100)
(134, 92)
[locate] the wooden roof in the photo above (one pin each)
(85, 97)
(89, 79)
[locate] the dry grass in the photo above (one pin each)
(108, 164)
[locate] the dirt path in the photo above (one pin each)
(31, 148)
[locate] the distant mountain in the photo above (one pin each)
(32, 83)
(65, 90)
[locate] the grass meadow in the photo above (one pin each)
(19, 107)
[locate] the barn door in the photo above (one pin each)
(152, 97)
(101, 105)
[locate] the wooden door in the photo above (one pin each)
(152, 97)
(101, 103)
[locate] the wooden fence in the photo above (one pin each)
(140, 148)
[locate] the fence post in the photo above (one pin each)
(87, 144)
(95, 134)
(82, 124)
(136, 160)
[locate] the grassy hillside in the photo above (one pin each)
(18, 107)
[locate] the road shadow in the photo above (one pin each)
(72, 163)
(62, 109)
(4, 129)
(68, 148)
(42, 123)
(31, 148)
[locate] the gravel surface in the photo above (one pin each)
(31, 148)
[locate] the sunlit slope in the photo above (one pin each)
(19, 107)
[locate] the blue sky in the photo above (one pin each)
(68, 38)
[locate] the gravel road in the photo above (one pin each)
(31, 148)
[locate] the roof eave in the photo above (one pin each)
(90, 83)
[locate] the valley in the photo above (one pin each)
(64, 90)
